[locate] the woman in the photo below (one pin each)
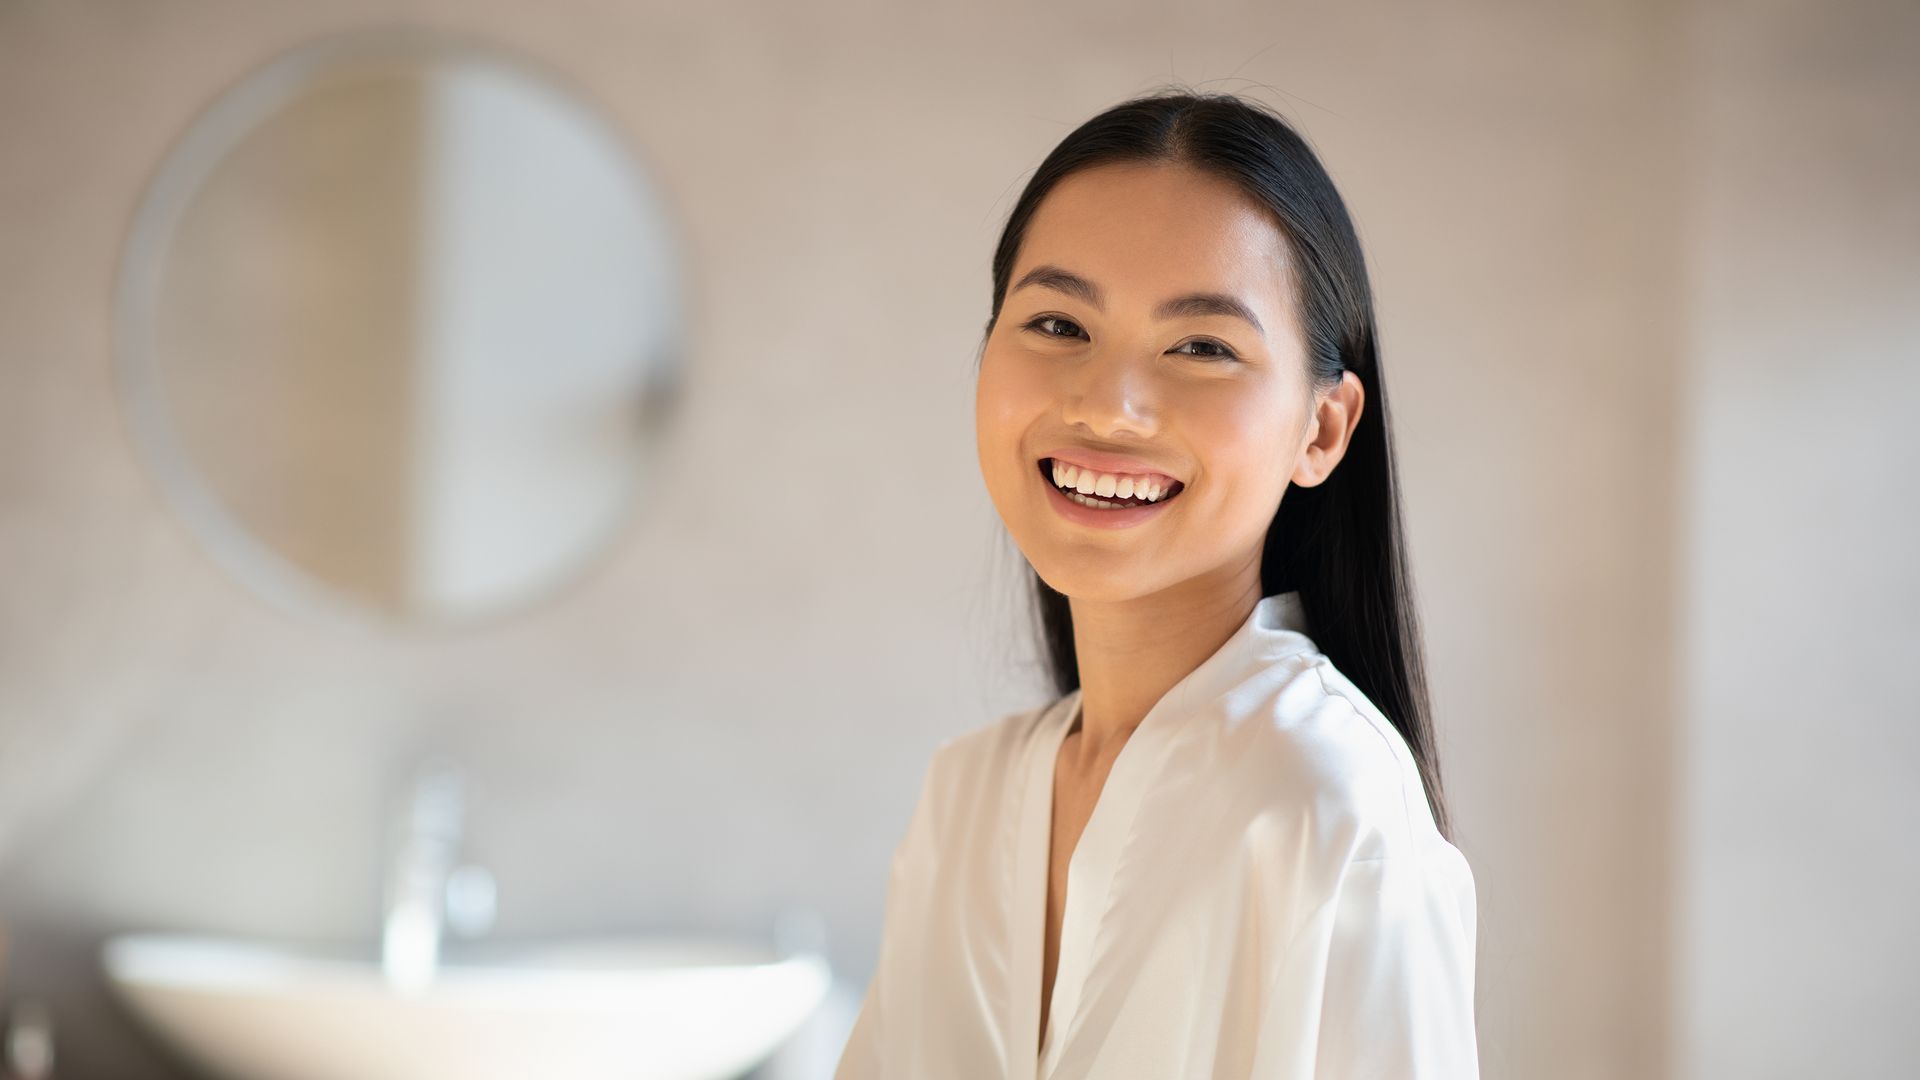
(1223, 850)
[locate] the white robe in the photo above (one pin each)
(1260, 892)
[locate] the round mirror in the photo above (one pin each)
(398, 323)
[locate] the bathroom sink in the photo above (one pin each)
(575, 1010)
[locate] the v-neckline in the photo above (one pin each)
(1274, 629)
(1090, 874)
(1059, 743)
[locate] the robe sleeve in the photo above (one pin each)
(1377, 984)
(913, 860)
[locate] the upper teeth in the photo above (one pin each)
(1108, 485)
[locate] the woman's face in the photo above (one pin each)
(1091, 362)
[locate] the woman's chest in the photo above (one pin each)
(1101, 908)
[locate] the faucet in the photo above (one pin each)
(426, 887)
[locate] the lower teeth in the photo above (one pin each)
(1101, 504)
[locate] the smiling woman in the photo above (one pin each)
(1222, 850)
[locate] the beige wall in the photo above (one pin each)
(1542, 189)
(1800, 805)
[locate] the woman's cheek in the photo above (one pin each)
(1003, 411)
(1252, 443)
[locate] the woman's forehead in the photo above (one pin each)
(1144, 232)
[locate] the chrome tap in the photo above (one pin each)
(426, 887)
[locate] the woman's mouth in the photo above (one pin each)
(1126, 500)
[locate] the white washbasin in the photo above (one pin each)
(632, 1008)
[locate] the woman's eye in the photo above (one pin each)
(1037, 325)
(1222, 353)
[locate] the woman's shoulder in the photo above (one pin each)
(970, 770)
(1327, 761)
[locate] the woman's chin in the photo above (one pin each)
(1081, 577)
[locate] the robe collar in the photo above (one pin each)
(1275, 629)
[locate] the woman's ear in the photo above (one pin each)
(1334, 417)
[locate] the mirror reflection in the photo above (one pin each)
(398, 325)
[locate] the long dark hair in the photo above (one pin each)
(1340, 543)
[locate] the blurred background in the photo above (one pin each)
(521, 455)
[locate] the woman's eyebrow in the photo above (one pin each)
(1063, 280)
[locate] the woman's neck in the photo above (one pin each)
(1131, 652)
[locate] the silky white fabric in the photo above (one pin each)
(1260, 892)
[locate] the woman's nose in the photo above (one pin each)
(1112, 392)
